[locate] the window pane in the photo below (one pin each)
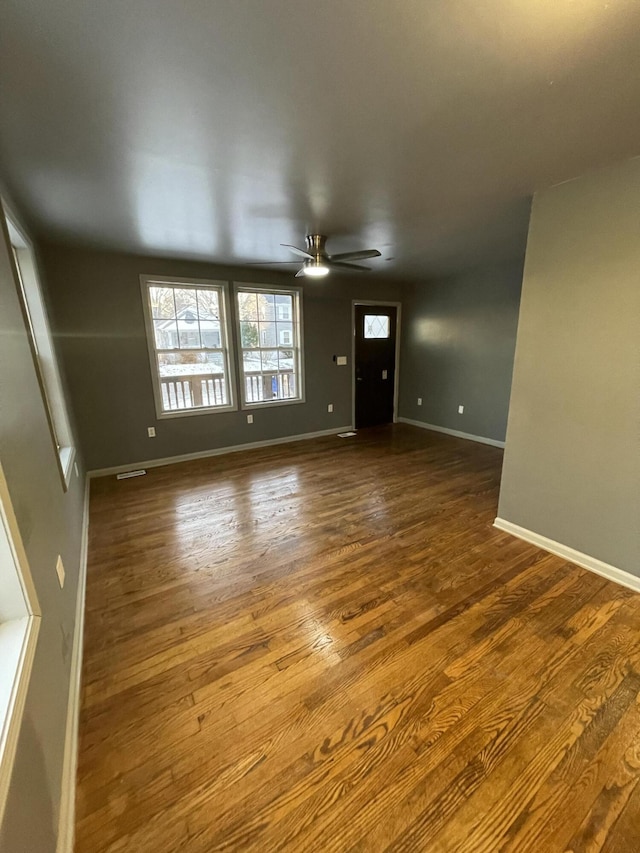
(189, 335)
(285, 360)
(285, 334)
(249, 335)
(166, 334)
(376, 326)
(186, 302)
(210, 333)
(284, 307)
(161, 299)
(268, 335)
(251, 362)
(269, 361)
(266, 306)
(248, 306)
(208, 305)
(190, 363)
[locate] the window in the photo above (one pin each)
(376, 326)
(19, 624)
(41, 344)
(187, 334)
(270, 334)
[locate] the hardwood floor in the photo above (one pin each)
(326, 646)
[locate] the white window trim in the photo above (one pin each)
(53, 398)
(18, 639)
(148, 280)
(240, 286)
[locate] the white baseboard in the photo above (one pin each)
(67, 818)
(455, 432)
(218, 451)
(570, 554)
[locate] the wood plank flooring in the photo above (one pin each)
(326, 646)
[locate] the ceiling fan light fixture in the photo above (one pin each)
(316, 269)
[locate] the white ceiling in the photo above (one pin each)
(221, 128)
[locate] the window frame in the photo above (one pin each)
(147, 281)
(40, 337)
(297, 317)
(18, 638)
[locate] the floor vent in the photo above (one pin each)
(126, 474)
(346, 434)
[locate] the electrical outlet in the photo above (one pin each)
(249, 419)
(461, 410)
(330, 407)
(75, 468)
(151, 432)
(60, 571)
(341, 360)
(419, 401)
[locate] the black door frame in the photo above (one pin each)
(396, 385)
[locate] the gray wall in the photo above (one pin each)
(572, 459)
(50, 522)
(97, 308)
(458, 343)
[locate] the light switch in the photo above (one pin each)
(341, 360)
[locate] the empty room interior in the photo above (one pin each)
(320, 426)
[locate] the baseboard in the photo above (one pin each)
(570, 554)
(218, 451)
(66, 822)
(455, 432)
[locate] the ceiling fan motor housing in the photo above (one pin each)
(316, 245)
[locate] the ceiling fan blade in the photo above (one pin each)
(339, 265)
(300, 273)
(297, 251)
(355, 256)
(267, 263)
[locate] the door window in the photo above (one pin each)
(376, 326)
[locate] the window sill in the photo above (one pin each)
(185, 413)
(270, 404)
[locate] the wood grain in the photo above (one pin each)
(326, 646)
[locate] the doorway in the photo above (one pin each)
(375, 363)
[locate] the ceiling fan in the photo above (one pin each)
(318, 263)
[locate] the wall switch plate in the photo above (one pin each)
(60, 571)
(341, 360)
(419, 401)
(151, 432)
(75, 468)
(330, 407)
(460, 410)
(249, 419)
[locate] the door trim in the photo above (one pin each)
(396, 384)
